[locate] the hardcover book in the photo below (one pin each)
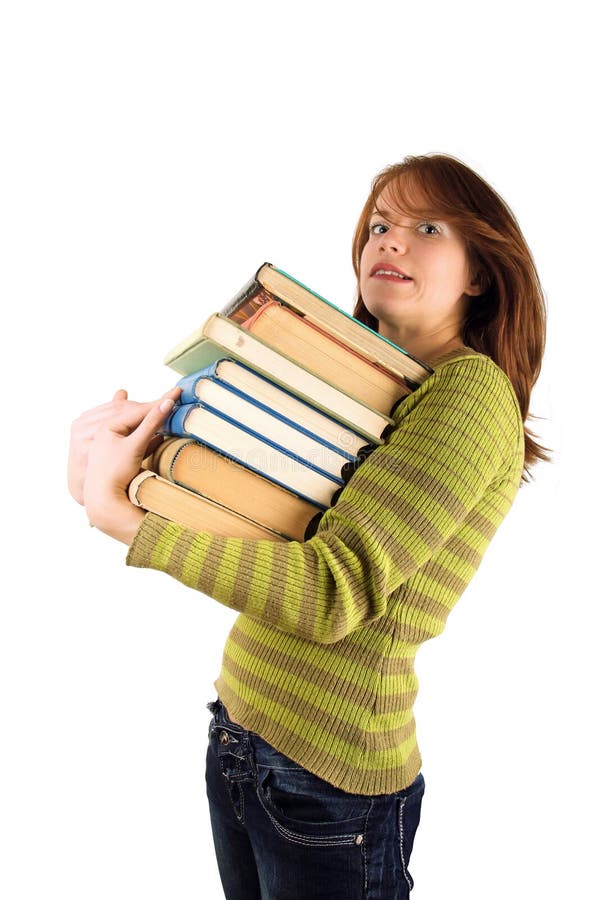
(205, 471)
(167, 499)
(281, 390)
(218, 401)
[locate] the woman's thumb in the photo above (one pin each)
(152, 421)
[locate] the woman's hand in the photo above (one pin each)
(85, 428)
(114, 458)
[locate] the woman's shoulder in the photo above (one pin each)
(466, 380)
(468, 365)
(458, 354)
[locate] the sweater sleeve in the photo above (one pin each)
(456, 435)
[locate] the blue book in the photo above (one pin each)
(261, 392)
(314, 474)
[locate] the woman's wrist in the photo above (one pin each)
(115, 516)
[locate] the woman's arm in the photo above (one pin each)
(458, 434)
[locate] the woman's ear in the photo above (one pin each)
(478, 284)
(474, 289)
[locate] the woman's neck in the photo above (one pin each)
(426, 347)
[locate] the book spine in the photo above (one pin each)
(135, 483)
(188, 382)
(260, 310)
(247, 301)
(175, 424)
(166, 455)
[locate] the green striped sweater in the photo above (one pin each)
(320, 661)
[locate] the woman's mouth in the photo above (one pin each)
(389, 273)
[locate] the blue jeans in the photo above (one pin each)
(282, 833)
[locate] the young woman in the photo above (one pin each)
(313, 768)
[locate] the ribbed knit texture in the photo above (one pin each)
(320, 661)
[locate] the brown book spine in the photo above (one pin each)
(247, 302)
(175, 503)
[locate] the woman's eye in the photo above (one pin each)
(428, 228)
(378, 228)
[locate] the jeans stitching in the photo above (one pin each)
(230, 782)
(407, 877)
(364, 847)
(280, 768)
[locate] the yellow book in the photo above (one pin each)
(173, 502)
(201, 469)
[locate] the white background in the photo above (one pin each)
(153, 155)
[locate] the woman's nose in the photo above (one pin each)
(393, 240)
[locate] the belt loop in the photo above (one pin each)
(216, 708)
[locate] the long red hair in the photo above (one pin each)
(507, 321)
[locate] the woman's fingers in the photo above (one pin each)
(132, 414)
(120, 418)
(119, 406)
(146, 429)
(121, 414)
(174, 393)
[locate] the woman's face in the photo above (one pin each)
(415, 275)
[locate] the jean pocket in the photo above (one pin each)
(304, 809)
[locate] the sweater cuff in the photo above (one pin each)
(153, 531)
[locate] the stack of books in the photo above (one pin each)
(283, 395)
